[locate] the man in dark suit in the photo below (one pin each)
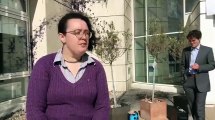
(197, 61)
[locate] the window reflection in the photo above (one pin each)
(140, 60)
(15, 4)
(11, 89)
(13, 45)
(169, 14)
(189, 5)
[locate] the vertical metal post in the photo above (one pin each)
(146, 34)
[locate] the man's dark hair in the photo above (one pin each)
(62, 26)
(194, 34)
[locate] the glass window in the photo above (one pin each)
(140, 60)
(161, 14)
(13, 45)
(139, 3)
(174, 66)
(152, 3)
(167, 72)
(189, 5)
(15, 4)
(13, 88)
(152, 12)
(169, 14)
(139, 28)
(139, 18)
(139, 14)
(162, 70)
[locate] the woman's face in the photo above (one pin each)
(76, 38)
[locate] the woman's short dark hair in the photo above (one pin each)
(62, 26)
(194, 34)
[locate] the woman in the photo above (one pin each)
(69, 84)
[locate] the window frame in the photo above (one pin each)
(23, 16)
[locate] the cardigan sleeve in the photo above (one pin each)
(102, 105)
(37, 92)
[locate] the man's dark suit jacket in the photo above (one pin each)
(205, 59)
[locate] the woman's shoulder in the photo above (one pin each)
(97, 62)
(94, 58)
(47, 59)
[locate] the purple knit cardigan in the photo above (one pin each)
(51, 97)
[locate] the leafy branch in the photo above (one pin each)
(110, 47)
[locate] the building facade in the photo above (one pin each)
(20, 19)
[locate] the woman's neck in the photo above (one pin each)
(70, 58)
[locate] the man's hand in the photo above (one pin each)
(195, 66)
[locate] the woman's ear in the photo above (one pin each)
(62, 38)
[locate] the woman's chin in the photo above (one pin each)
(82, 51)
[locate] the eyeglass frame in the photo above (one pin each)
(80, 34)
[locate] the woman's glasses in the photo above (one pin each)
(79, 33)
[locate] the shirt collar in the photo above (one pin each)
(86, 59)
(197, 48)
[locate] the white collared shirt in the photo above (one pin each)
(193, 55)
(86, 59)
